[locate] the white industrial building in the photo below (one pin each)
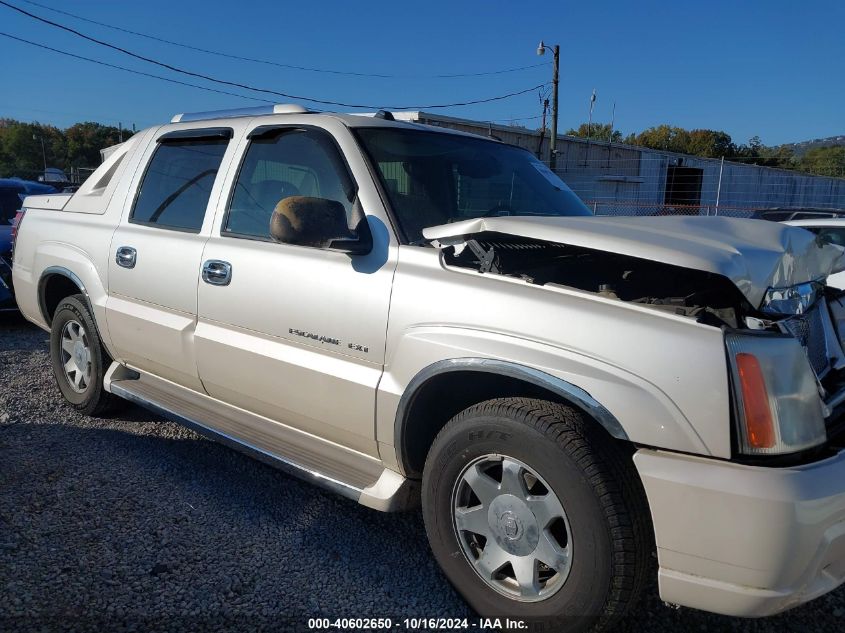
(614, 178)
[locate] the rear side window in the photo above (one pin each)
(177, 184)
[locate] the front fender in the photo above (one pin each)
(627, 404)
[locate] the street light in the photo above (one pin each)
(541, 50)
(43, 152)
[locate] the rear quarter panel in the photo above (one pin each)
(76, 237)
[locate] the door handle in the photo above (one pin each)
(217, 272)
(126, 256)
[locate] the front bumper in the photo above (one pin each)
(745, 540)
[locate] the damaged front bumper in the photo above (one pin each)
(744, 540)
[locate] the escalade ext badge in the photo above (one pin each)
(755, 256)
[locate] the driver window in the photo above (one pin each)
(285, 163)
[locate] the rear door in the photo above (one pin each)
(155, 253)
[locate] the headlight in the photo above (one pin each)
(779, 409)
(792, 300)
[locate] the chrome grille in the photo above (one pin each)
(809, 330)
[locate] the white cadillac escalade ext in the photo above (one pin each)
(404, 314)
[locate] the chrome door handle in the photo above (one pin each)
(217, 272)
(126, 256)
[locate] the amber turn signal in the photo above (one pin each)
(755, 401)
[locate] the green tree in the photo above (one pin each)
(824, 161)
(596, 131)
(665, 137)
(21, 151)
(85, 140)
(710, 143)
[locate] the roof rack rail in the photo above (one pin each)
(279, 108)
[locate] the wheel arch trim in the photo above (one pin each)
(569, 392)
(42, 283)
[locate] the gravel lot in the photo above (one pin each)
(134, 523)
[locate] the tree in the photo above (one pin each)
(596, 131)
(78, 146)
(665, 137)
(85, 140)
(825, 161)
(21, 151)
(710, 143)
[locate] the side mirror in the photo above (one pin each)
(319, 223)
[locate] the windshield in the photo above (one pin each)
(434, 178)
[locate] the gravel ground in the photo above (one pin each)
(135, 523)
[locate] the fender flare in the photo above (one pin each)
(42, 281)
(570, 393)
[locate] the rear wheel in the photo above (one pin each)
(78, 357)
(533, 513)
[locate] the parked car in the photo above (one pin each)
(808, 213)
(831, 230)
(407, 314)
(12, 193)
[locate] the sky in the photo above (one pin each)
(774, 69)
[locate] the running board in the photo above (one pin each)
(346, 472)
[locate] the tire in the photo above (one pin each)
(75, 342)
(601, 554)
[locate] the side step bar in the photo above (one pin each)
(346, 472)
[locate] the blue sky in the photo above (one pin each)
(770, 68)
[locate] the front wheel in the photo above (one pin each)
(78, 357)
(533, 513)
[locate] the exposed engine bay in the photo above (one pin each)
(704, 296)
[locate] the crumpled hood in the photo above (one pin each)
(754, 254)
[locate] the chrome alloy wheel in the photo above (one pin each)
(76, 356)
(512, 528)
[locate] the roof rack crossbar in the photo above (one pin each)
(279, 108)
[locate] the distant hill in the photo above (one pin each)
(800, 148)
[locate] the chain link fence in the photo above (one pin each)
(623, 207)
(53, 176)
(616, 181)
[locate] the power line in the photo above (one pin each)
(279, 64)
(265, 90)
(130, 70)
(518, 118)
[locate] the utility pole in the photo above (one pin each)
(590, 128)
(610, 138)
(612, 122)
(541, 50)
(719, 188)
(542, 130)
(43, 153)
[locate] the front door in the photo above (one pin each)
(296, 333)
(155, 256)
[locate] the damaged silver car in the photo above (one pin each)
(407, 315)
